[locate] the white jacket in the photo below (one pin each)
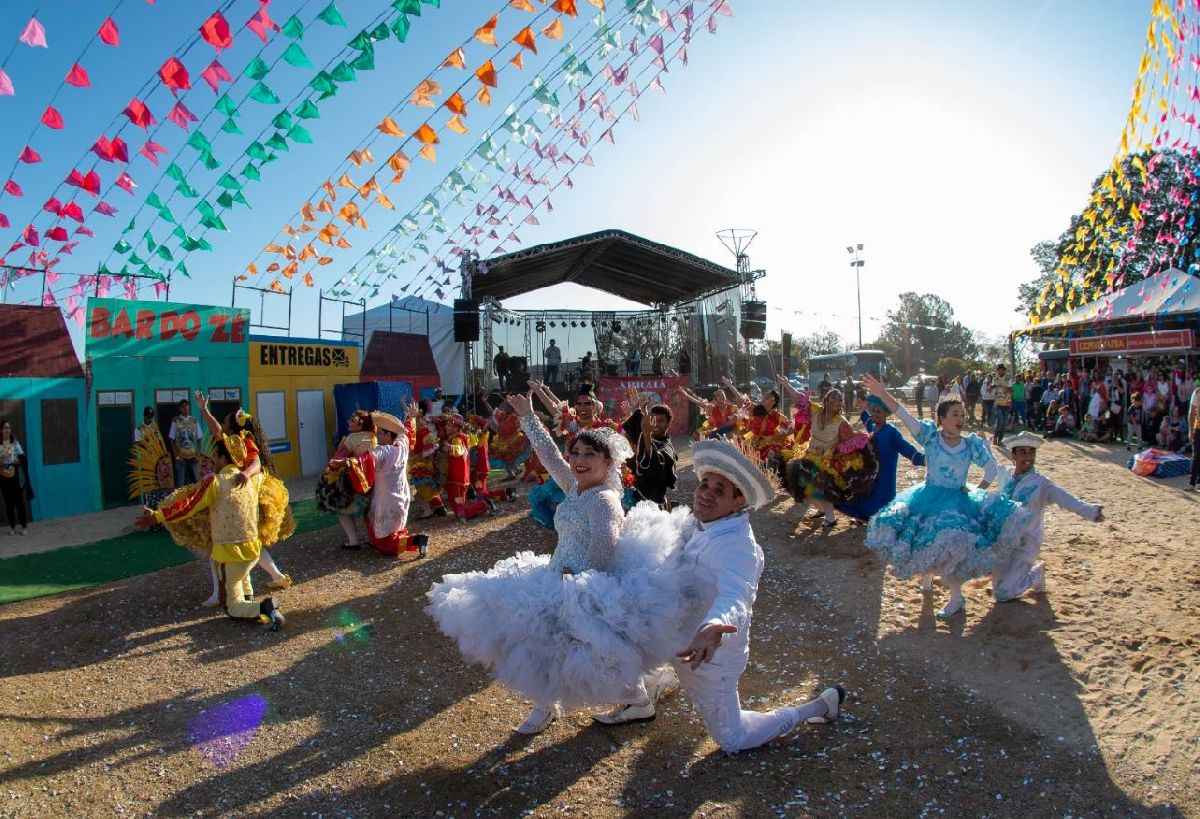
(389, 503)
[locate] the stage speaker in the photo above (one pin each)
(754, 311)
(518, 374)
(787, 345)
(753, 330)
(466, 320)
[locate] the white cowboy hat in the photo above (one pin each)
(1024, 439)
(387, 421)
(731, 463)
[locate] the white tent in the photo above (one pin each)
(415, 315)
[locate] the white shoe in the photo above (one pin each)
(952, 609)
(1037, 578)
(24, 531)
(664, 684)
(627, 713)
(212, 602)
(833, 699)
(539, 720)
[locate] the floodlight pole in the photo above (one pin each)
(857, 263)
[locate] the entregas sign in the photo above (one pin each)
(301, 355)
(117, 326)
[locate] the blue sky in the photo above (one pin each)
(948, 138)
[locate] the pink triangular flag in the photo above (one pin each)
(29, 156)
(181, 116)
(52, 119)
(78, 77)
(34, 35)
(4, 221)
(261, 23)
(105, 209)
(214, 74)
(30, 236)
(125, 181)
(109, 34)
(6, 86)
(151, 150)
(13, 189)
(53, 206)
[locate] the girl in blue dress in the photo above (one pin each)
(941, 527)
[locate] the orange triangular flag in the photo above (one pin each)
(289, 230)
(325, 206)
(251, 268)
(307, 212)
(289, 252)
(521, 5)
(486, 74)
(486, 33)
(308, 280)
(272, 267)
(341, 242)
(389, 127)
(273, 248)
(567, 7)
(356, 158)
(365, 190)
(455, 103)
(554, 31)
(290, 270)
(276, 286)
(484, 96)
(346, 181)
(324, 260)
(307, 228)
(383, 200)
(456, 125)
(328, 186)
(424, 91)
(518, 59)
(428, 152)
(348, 213)
(457, 59)
(598, 4)
(398, 161)
(361, 222)
(427, 135)
(525, 39)
(307, 252)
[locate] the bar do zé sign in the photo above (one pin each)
(120, 327)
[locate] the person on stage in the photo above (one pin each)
(941, 527)
(1021, 571)
(719, 543)
(889, 445)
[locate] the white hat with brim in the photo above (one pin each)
(388, 422)
(1024, 439)
(729, 462)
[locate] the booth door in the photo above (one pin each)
(310, 410)
(114, 428)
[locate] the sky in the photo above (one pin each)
(947, 138)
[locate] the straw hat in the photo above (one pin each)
(725, 459)
(388, 422)
(1024, 439)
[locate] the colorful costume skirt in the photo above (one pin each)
(834, 476)
(510, 452)
(335, 494)
(543, 502)
(275, 519)
(579, 639)
(947, 531)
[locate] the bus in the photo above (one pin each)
(854, 363)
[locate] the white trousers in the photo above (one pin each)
(1013, 577)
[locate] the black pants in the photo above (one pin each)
(14, 502)
(1195, 457)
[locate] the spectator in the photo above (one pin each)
(1170, 433)
(685, 363)
(553, 357)
(148, 426)
(501, 365)
(587, 369)
(824, 387)
(633, 361)
(1034, 388)
(1116, 408)
(987, 398)
(971, 391)
(1020, 407)
(12, 463)
(1135, 421)
(1051, 417)
(1064, 427)
(185, 440)
(932, 395)
(1003, 402)
(1194, 426)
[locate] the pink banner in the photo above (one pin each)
(659, 389)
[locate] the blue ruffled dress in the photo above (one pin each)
(940, 526)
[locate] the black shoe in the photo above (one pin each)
(491, 506)
(510, 494)
(472, 494)
(267, 608)
(422, 542)
(353, 547)
(440, 512)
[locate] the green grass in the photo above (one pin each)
(77, 567)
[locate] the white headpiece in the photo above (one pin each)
(731, 463)
(1024, 439)
(618, 449)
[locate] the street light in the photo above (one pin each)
(857, 262)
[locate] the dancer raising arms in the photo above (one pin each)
(940, 527)
(889, 445)
(718, 413)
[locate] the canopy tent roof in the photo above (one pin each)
(611, 260)
(1171, 294)
(35, 343)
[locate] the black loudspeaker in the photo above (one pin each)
(787, 345)
(754, 330)
(466, 320)
(754, 311)
(518, 374)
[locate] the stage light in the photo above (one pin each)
(552, 324)
(540, 326)
(616, 326)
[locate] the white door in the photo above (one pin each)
(314, 444)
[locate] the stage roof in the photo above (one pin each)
(611, 260)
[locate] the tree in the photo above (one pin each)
(922, 330)
(1137, 222)
(821, 342)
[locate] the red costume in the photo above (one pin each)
(458, 477)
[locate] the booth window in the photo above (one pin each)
(14, 410)
(272, 414)
(60, 431)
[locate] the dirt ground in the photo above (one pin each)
(130, 699)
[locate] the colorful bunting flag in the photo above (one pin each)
(34, 34)
(109, 35)
(215, 32)
(52, 119)
(6, 86)
(78, 77)
(214, 74)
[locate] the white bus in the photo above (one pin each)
(854, 363)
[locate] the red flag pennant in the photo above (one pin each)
(13, 189)
(52, 119)
(120, 150)
(83, 231)
(3, 224)
(89, 182)
(71, 210)
(126, 183)
(53, 206)
(215, 73)
(151, 150)
(109, 34)
(29, 156)
(103, 148)
(139, 114)
(181, 116)
(215, 32)
(30, 236)
(57, 233)
(174, 75)
(105, 209)
(68, 247)
(78, 77)
(261, 23)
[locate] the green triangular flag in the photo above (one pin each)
(187, 190)
(256, 151)
(381, 32)
(271, 157)
(165, 253)
(361, 41)
(153, 201)
(282, 121)
(150, 243)
(150, 274)
(408, 7)
(332, 16)
(172, 172)
(131, 225)
(225, 106)
(136, 259)
(293, 29)
(342, 72)
(228, 182)
(182, 268)
(251, 172)
(276, 143)
(298, 134)
(400, 27)
(294, 55)
(210, 161)
(225, 200)
(230, 126)
(199, 141)
(308, 110)
(214, 222)
(323, 83)
(237, 197)
(165, 214)
(179, 233)
(122, 247)
(261, 93)
(364, 61)
(257, 69)
(437, 4)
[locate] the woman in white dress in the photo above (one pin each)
(579, 626)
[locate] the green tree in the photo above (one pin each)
(922, 330)
(821, 342)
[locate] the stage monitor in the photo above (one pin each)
(466, 320)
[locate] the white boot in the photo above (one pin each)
(539, 719)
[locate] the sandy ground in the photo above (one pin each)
(1081, 701)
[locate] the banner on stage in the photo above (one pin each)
(1160, 341)
(659, 389)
